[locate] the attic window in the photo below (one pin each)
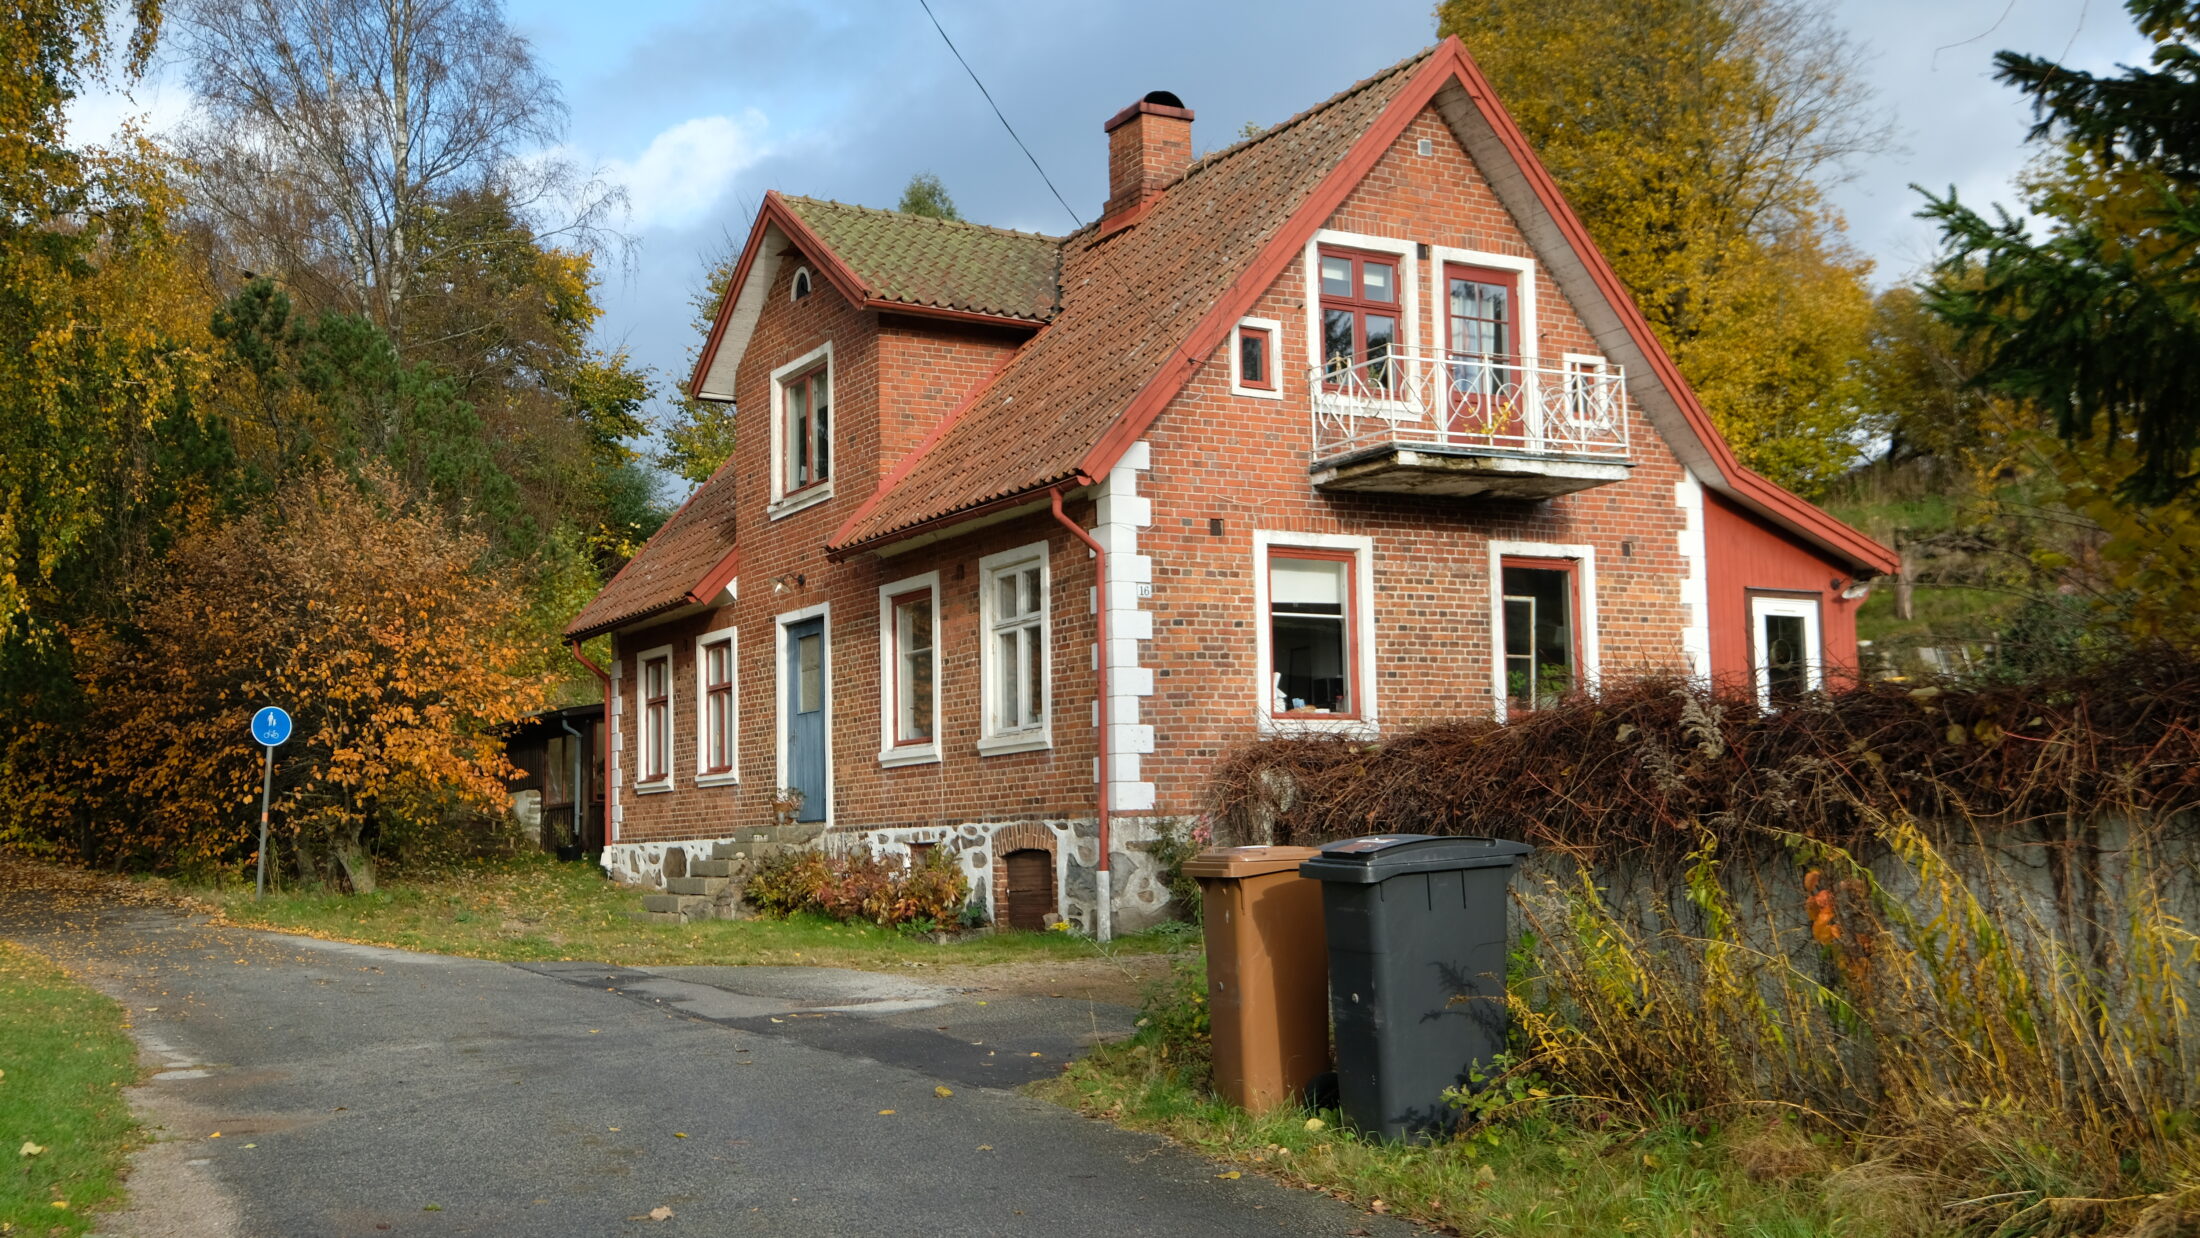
(801, 284)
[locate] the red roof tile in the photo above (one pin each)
(930, 263)
(674, 568)
(1128, 301)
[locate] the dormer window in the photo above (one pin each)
(801, 287)
(802, 432)
(809, 439)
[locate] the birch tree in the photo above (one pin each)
(331, 128)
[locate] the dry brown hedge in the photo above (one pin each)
(1646, 766)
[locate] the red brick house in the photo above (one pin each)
(1342, 428)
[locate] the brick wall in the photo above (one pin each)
(1243, 461)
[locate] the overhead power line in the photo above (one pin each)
(997, 112)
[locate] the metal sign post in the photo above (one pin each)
(270, 726)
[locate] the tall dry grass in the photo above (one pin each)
(1996, 1072)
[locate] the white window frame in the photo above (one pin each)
(730, 638)
(991, 740)
(810, 496)
(784, 685)
(1362, 548)
(1274, 331)
(643, 753)
(891, 754)
(1590, 364)
(1811, 611)
(1409, 313)
(1441, 256)
(795, 284)
(1589, 658)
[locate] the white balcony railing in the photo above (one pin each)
(1461, 404)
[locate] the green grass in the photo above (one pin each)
(532, 908)
(66, 1058)
(1552, 1177)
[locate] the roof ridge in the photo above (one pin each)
(931, 219)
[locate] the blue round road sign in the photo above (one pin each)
(271, 726)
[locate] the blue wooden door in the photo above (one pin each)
(806, 688)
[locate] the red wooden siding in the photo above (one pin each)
(1745, 553)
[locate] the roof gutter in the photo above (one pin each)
(1103, 880)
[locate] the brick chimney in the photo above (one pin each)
(1149, 146)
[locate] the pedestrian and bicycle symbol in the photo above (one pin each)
(271, 726)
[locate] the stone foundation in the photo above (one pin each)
(702, 879)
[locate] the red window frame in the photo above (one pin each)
(717, 736)
(1267, 341)
(1359, 306)
(1496, 277)
(1351, 652)
(814, 433)
(893, 636)
(657, 719)
(1572, 570)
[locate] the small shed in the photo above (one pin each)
(558, 790)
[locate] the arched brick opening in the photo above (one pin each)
(1024, 837)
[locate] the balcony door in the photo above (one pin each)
(1482, 356)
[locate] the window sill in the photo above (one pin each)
(725, 779)
(913, 754)
(1310, 724)
(1263, 393)
(1002, 745)
(799, 501)
(652, 788)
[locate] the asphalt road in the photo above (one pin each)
(363, 1091)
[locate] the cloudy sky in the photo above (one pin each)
(699, 107)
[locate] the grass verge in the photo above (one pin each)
(66, 1058)
(531, 909)
(1541, 1179)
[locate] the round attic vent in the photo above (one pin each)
(1166, 98)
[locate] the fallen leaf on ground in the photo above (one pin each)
(985, 1147)
(252, 1145)
(215, 1135)
(660, 1213)
(679, 1134)
(943, 1092)
(885, 1113)
(431, 1207)
(61, 1203)
(1315, 1124)
(32, 1149)
(1378, 1206)
(1233, 1175)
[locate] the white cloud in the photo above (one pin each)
(686, 169)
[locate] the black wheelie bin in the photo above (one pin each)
(1416, 928)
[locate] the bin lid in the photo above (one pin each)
(1246, 861)
(1379, 857)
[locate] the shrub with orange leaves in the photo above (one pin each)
(391, 637)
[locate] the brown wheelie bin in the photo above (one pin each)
(1267, 972)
